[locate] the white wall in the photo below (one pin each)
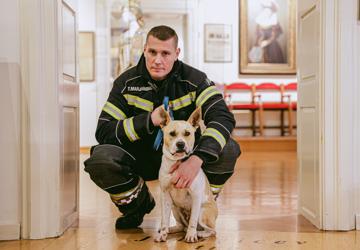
(88, 93)
(10, 125)
(228, 72)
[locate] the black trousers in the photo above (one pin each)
(117, 170)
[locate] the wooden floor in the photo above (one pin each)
(257, 210)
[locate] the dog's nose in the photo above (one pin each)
(180, 145)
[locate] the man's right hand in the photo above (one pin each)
(158, 117)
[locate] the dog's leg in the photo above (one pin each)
(165, 216)
(191, 234)
(179, 227)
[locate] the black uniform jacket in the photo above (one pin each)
(125, 119)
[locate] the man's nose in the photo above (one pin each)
(158, 58)
(180, 145)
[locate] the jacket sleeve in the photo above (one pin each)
(116, 124)
(219, 122)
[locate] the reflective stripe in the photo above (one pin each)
(206, 94)
(139, 102)
(114, 111)
(183, 101)
(216, 189)
(216, 135)
(129, 129)
(128, 196)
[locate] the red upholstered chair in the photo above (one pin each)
(289, 95)
(272, 99)
(241, 96)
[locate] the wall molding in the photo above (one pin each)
(339, 106)
(40, 119)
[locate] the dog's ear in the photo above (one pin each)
(165, 117)
(195, 118)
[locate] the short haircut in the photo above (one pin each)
(163, 33)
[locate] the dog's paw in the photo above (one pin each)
(191, 235)
(161, 235)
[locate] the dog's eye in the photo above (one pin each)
(187, 133)
(172, 133)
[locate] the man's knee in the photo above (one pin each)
(227, 159)
(109, 165)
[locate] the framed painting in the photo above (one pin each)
(218, 42)
(267, 37)
(87, 56)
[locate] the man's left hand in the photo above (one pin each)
(186, 171)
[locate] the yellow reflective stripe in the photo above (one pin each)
(127, 193)
(129, 129)
(182, 101)
(216, 186)
(216, 135)
(206, 94)
(114, 111)
(139, 102)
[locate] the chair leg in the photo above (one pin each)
(290, 122)
(253, 122)
(282, 129)
(261, 124)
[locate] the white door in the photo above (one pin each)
(69, 115)
(309, 112)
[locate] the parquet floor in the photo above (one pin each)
(257, 210)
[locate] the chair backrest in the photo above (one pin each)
(238, 92)
(291, 89)
(269, 92)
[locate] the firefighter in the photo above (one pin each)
(129, 151)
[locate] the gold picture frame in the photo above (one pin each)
(87, 56)
(267, 37)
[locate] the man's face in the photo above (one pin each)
(160, 57)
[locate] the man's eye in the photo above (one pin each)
(187, 133)
(165, 53)
(172, 133)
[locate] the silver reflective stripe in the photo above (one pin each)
(129, 129)
(183, 101)
(139, 102)
(206, 94)
(114, 111)
(216, 135)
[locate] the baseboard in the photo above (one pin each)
(267, 144)
(10, 232)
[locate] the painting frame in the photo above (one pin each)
(217, 43)
(87, 56)
(289, 53)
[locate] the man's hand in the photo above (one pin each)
(158, 116)
(186, 171)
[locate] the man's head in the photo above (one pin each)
(161, 51)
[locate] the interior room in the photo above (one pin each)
(287, 71)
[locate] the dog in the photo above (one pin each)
(194, 208)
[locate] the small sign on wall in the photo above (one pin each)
(218, 43)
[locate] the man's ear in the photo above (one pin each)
(195, 118)
(165, 117)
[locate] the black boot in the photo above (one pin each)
(134, 212)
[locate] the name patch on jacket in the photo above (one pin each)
(136, 88)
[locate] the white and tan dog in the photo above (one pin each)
(194, 208)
